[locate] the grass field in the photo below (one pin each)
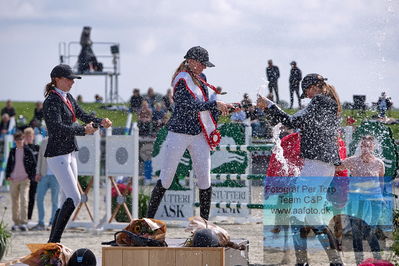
(119, 118)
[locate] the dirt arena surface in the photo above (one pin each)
(252, 230)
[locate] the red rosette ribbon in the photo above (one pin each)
(214, 138)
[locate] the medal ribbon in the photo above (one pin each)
(68, 104)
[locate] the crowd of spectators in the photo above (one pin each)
(8, 114)
(153, 110)
(252, 116)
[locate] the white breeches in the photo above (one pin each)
(65, 170)
(313, 181)
(176, 144)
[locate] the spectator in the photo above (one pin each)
(157, 117)
(136, 101)
(272, 74)
(79, 99)
(29, 137)
(87, 61)
(8, 109)
(4, 124)
(384, 103)
(239, 116)
(21, 167)
(253, 114)
(259, 125)
(166, 118)
(168, 100)
(295, 80)
(246, 101)
(21, 123)
(367, 202)
(37, 115)
(46, 180)
(214, 95)
(250, 112)
(145, 117)
(150, 98)
(98, 99)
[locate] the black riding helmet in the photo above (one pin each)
(200, 54)
(205, 238)
(309, 80)
(83, 257)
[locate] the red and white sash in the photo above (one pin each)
(208, 123)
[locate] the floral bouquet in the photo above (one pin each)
(50, 254)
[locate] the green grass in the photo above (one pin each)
(119, 118)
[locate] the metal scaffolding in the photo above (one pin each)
(107, 53)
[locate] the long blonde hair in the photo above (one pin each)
(330, 90)
(183, 67)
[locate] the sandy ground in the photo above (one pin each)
(252, 231)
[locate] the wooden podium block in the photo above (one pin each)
(168, 256)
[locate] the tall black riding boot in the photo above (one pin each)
(57, 212)
(62, 220)
(205, 197)
(156, 197)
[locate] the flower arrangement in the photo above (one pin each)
(50, 254)
(51, 257)
(127, 191)
(123, 188)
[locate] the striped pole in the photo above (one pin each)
(247, 148)
(237, 177)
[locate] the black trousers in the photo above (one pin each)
(361, 230)
(273, 86)
(32, 197)
(294, 88)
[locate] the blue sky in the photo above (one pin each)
(353, 43)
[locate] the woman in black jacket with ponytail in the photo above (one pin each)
(60, 113)
(318, 124)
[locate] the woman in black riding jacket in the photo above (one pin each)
(318, 124)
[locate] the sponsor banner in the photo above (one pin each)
(225, 195)
(176, 205)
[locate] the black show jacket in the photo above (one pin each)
(61, 129)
